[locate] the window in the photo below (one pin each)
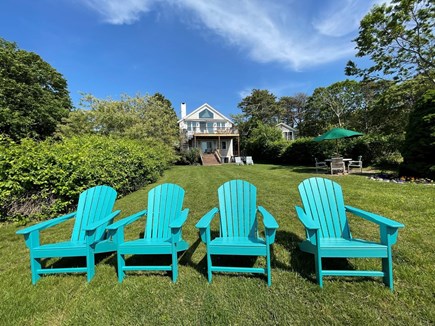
(224, 145)
(206, 114)
(288, 135)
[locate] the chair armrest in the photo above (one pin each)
(205, 221)
(125, 221)
(380, 220)
(270, 225)
(178, 223)
(308, 223)
(204, 225)
(268, 220)
(46, 224)
(95, 225)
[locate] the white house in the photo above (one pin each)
(208, 129)
(288, 133)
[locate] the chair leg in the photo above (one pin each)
(387, 268)
(318, 266)
(209, 266)
(174, 265)
(269, 272)
(35, 264)
(90, 264)
(121, 264)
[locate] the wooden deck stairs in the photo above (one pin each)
(209, 159)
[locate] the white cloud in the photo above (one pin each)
(294, 33)
(340, 18)
(120, 12)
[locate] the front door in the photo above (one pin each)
(207, 146)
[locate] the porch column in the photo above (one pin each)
(238, 145)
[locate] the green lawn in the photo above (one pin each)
(238, 299)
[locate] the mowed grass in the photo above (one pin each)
(150, 298)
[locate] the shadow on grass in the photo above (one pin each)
(303, 263)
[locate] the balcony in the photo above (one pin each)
(213, 131)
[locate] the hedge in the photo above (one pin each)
(42, 179)
(376, 150)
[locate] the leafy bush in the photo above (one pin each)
(42, 179)
(419, 147)
(375, 149)
(189, 156)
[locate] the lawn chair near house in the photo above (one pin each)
(238, 160)
(328, 233)
(89, 236)
(238, 228)
(355, 164)
(162, 235)
(249, 160)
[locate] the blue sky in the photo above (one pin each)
(193, 51)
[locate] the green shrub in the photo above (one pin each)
(419, 147)
(189, 156)
(42, 179)
(376, 150)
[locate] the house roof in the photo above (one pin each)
(286, 126)
(208, 107)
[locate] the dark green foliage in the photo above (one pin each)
(375, 150)
(399, 39)
(265, 143)
(302, 151)
(33, 95)
(42, 179)
(190, 156)
(419, 148)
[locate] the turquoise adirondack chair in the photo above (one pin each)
(328, 233)
(162, 236)
(238, 228)
(89, 236)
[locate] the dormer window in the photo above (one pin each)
(206, 114)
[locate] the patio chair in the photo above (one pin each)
(328, 234)
(337, 164)
(162, 235)
(239, 160)
(249, 160)
(238, 229)
(355, 164)
(320, 165)
(89, 236)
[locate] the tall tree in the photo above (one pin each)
(337, 101)
(33, 95)
(138, 117)
(261, 107)
(419, 147)
(293, 109)
(399, 39)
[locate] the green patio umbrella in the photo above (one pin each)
(337, 133)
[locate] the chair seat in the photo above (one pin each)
(339, 247)
(70, 249)
(150, 246)
(238, 246)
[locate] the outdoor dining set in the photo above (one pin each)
(339, 164)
